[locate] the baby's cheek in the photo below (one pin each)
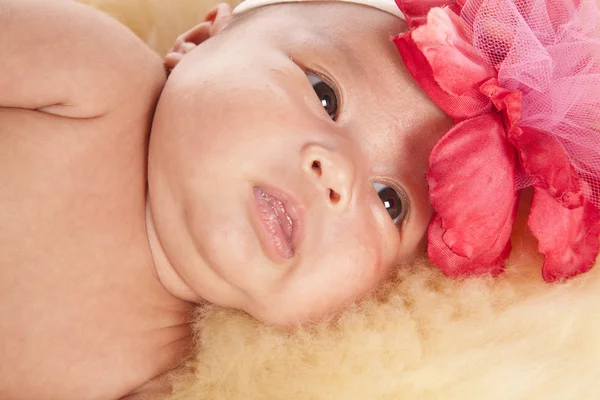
(367, 263)
(385, 251)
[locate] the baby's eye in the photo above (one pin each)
(325, 93)
(395, 203)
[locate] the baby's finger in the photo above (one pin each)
(172, 59)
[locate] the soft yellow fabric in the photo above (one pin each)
(423, 337)
(431, 339)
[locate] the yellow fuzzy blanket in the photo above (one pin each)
(422, 337)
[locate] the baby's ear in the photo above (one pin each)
(214, 22)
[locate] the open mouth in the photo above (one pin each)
(277, 219)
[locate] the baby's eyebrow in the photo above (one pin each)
(342, 48)
(347, 52)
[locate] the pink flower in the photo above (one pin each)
(473, 168)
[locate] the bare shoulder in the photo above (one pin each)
(68, 59)
(77, 93)
(77, 97)
(75, 85)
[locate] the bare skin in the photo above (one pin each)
(97, 279)
(82, 312)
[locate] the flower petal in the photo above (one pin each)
(568, 239)
(446, 66)
(455, 266)
(415, 11)
(506, 101)
(544, 158)
(471, 185)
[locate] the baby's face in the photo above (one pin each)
(288, 160)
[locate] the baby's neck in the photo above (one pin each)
(166, 273)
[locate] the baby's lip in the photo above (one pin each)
(277, 222)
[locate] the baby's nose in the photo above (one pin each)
(333, 173)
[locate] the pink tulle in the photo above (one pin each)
(550, 51)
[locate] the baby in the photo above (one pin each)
(289, 164)
(274, 182)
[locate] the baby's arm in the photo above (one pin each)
(64, 58)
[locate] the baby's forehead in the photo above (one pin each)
(340, 23)
(326, 15)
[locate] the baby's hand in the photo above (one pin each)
(215, 20)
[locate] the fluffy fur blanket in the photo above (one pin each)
(423, 336)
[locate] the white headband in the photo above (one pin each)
(388, 6)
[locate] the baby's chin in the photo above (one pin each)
(299, 314)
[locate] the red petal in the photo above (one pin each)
(454, 266)
(446, 65)
(543, 157)
(568, 239)
(415, 11)
(504, 100)
(471, 186)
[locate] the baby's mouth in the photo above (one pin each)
(276, 222)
